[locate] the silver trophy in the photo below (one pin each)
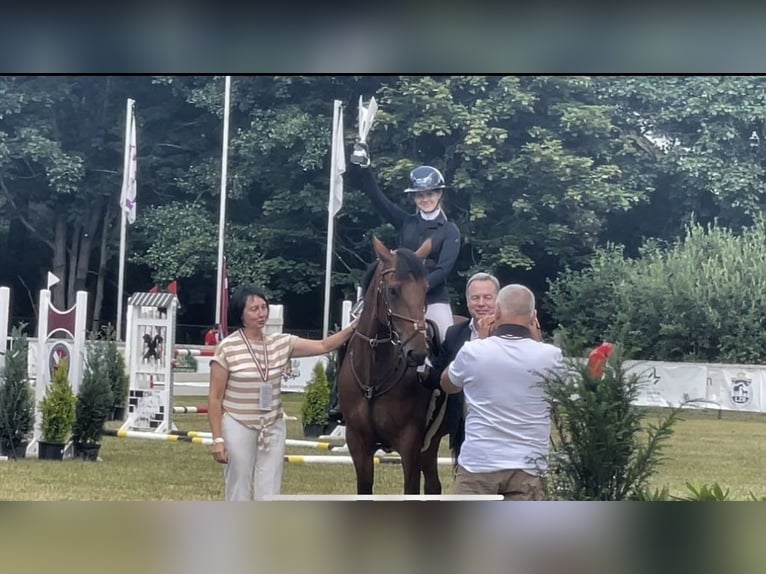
(361, 154)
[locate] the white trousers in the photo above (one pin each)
(441, 314)
(252, 472)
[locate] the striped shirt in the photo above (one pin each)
(245, 384)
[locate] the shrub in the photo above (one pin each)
(316, 398)
(114, 367)
(94, 399)
(600, 447)
(701, 298)
(17, 403)
(58, 407)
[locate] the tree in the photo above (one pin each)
(17, 401)
(696, 135)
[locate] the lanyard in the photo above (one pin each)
(263, 372)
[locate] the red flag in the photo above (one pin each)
(224, 327)
(597, 359)
(172, 287)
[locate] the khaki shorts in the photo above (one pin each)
(512, 484)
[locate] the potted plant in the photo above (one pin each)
(58, 414)
(95, 403)
(17, 403)
(316, 402)
(114, 365)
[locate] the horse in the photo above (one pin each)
(383, 403)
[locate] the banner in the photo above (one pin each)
(669, 384)
(737, 388)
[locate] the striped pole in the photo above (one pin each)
(157, 436)
(339, 459)
(288, 442)
(180, 351)
(200, 437)
(194, 437)
(190, 410)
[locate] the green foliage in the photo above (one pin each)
(58, 407)
(180, 238)
(114, 368)
(95, 400)
(316, 398)
(647, 494)
(541, 170)
(702, 160)
(704, 493)
(701, 298)
(601, 450)
(16, 396)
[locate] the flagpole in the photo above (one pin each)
(123, 220)
(222, 215)
(330, 221)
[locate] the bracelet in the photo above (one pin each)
(218, 440)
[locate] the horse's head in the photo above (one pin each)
(400, 283)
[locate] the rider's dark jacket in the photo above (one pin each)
(413, 231)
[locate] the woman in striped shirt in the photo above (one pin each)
(245, 402)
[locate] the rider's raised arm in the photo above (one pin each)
(387, 208)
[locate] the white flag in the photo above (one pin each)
(52, 280)
(338, 160)
(128, 197)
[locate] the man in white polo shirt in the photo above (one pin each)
(507, 426)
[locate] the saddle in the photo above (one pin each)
(433, 339)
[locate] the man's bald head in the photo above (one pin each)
(516, 302)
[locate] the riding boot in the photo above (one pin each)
(428, 376)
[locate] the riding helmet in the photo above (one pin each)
(425, 178)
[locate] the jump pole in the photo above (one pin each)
(294, 459)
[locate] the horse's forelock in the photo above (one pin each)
(409, 265)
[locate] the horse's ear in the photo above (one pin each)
(383, 252)
(424, 250)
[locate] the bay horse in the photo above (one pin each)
(383, 403)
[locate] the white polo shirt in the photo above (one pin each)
(507, 424)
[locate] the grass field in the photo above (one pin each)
(704, 449)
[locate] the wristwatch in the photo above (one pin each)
(218, 440)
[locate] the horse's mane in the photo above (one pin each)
(407, 265)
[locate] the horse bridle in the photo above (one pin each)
(393, 337)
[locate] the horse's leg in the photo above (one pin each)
(361, 447)
(410, 443)
(429, 465)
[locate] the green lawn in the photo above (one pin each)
(704, 449)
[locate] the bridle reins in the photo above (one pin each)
(394, 338)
